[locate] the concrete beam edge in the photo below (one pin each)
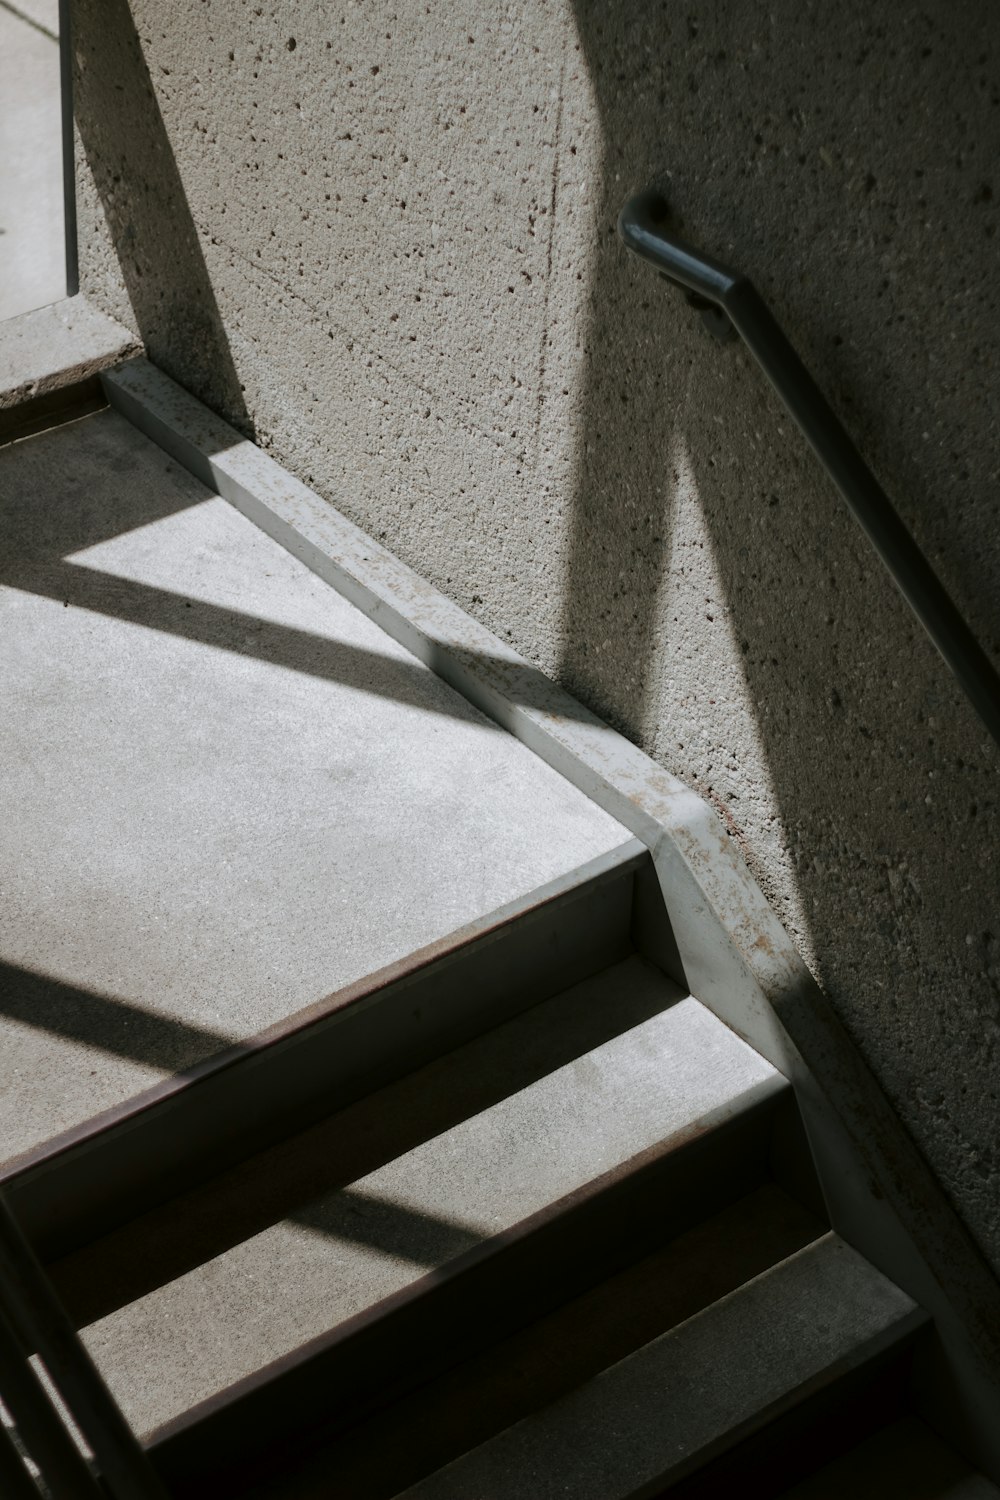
(738, 959)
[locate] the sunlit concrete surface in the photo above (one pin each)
(32, 245)
(226, 792)
(398, 245)
(43, 14)
(345, 1251)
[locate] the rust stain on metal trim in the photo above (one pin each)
(758, 1102)
(461, 943)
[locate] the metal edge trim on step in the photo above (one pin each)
(712, 1160)
(60, 1201)
(890, 1339)
(736, 957)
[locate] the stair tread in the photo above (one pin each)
(227, 791)
(673, 1404)
(905, 1460)
(350, 1248)
(533, 1366)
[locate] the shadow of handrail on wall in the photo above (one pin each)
(151, 227)
(883, 783)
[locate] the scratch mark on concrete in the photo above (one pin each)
(321, 316)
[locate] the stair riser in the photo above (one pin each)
(729, 1384)
(67, 404)
(341, 1150)
(824, 1423)
(238, 1103)
(505, 1284)
(530, 1369)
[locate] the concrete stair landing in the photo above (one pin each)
(227, 793)
(353, 1097)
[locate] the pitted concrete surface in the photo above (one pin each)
(227, 793)
(387, 246)
(349, 1249)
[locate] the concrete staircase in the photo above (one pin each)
(507, 1212)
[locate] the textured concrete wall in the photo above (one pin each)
(383, 241)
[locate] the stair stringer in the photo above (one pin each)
(716, 932)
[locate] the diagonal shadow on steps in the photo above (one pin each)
(104, 1022)
(312, 1178)
(400, 680)
(124, 1029)
(225, 629)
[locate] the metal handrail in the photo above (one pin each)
(722, 294)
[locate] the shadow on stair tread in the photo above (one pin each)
(905, 1460)
(820, 1322)
(289, 1177)
(244, 1099)
(558, 1226)
(479, 1387)
(469, 1403)
(624, 1114)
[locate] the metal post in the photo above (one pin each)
(15, 1481)
(42, 1322)
(68, 150)
(63, 1466)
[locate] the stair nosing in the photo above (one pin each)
(732, 1114)
(893, 1329)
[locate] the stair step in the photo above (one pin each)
(646, 1423)
(903, 1459)
(513, 1216)
(393, 1353)
(528, 1368)
(201, 1222)
(227, 791)
(206, 1119)
(676, 1077)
